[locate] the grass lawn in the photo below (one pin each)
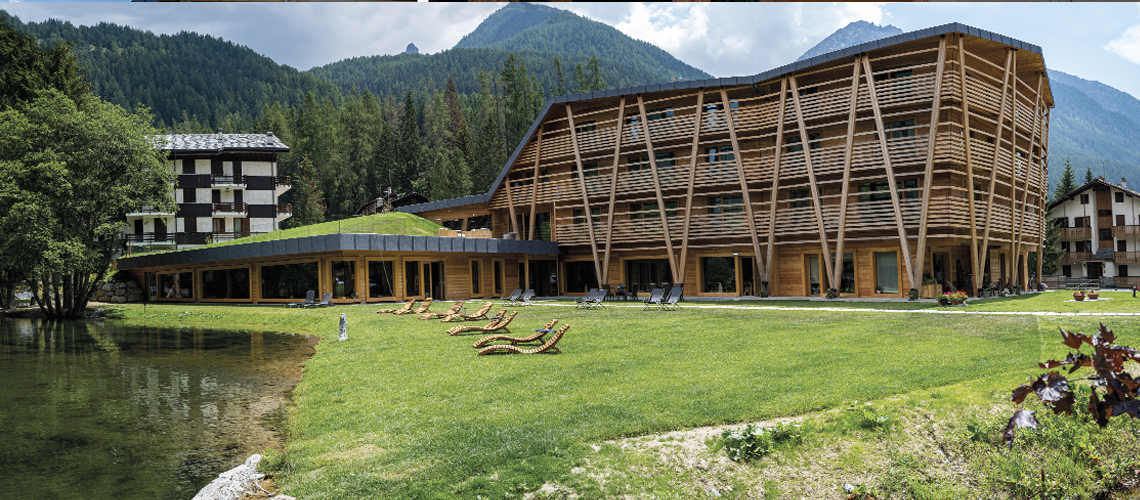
(390, 223)
(403, 410)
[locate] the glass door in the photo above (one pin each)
(813, 282)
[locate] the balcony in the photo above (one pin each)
(1076, 233)
(227, 180)
(1075, 257)
(150, 238)
(285, 209)
(283, 180)
(1126, 257)
(147, 210)
(230, 208)
(1125, 231)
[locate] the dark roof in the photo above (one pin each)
(1099, 181)
(716, 82)
(338, 242)
(216, 143)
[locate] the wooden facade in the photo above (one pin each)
(927, 154)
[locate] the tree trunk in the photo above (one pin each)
(68, 295)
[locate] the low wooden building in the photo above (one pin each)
(862, 170)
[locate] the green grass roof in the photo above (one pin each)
(389, 223)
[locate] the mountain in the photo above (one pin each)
(853, 34)
(216, 81)
(412, 49)
(1094, 126)
(534, 32)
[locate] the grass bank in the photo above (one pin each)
(402, 410)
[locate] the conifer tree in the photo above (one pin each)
(461, 134)
(1068, 181)
(1088, 176)
(409, 148)
(560, 88)
(308, 200)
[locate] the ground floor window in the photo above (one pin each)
(475, 274)
(289, 281)
(343, 279)
(176, 285)
(645, 275)
(497, 270)
(847, 277)
(886, 272)
(1122, 271)
(813, 275)
(1067, 270)
(718, 275)
(411, 277)
(580, 277)
(380, 279)
(225, 284)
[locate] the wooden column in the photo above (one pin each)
(613, 188)
(1010, 59)
(511, 206)
(974, 269)
(585, 197)
(657, 188)
(743, 180)
(852, 115)
(811, 176)
(920, 253)
(775, 182)
(534, 183)
(692, 184)
(903, 243)
(1020, 211)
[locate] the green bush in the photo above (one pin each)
(754, 441)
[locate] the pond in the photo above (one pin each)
(111, 409)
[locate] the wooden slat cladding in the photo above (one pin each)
(943, 138)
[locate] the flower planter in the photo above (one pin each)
(1078, 296)
(928, 291)
(1094, 295)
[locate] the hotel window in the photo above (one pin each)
(1084, 199)
(1067, 270)
(380, 279)
(642, 163)
(648, 210)
(634, 126)
(1122, 271)
(1062, 222)
(189, 195)
(725, 204)
(343, 278)
(886, 272)
(794, 142)
(580, 215)
(1121, 246)
(659, 114)
(588, 170)
(587, 126)
(714, 113)
(475, 277)
(188, 167)
(1065, 246)
(801, 198)
(723, 153)
(893, 74)
(1119, 197)
(902, 129)
(1105, 234)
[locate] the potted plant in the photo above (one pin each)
(1079, 295)
(1093, 294)
(832, 293)
(912, 294)
(878, 289)
(764, 293)
(953, 298)
(929, 286)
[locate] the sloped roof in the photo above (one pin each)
(1099, 181)
(716, 82)
(216, 143)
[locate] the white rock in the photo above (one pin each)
(234, 483)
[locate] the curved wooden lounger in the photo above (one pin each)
(407, 307)
(535, 337)
(454, 310)
(480, 314)
(494, 326)
(423, 308)
(510, 349)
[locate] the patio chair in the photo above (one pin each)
(513, 296)
(308, 300)
(670, 302)
(493, 326)
(524, 300)
(534, 337)
(455, 308)
(407, 307)
(480, 314)
(423, 308)
(596, 302)
(655, 297)
(582, 301)
(325, 301)
(549, 346)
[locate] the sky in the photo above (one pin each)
(1095, 41)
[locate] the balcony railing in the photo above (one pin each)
(1126, 257)
(284, 208)
(1076, 233)
(232, 235)
(231, 207)
(283, 180)
(228, 180)
(148, 210)
(1125, 231)
(1074, 257)
(150, 238)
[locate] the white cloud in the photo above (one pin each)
(1127, 45)
(667, 25)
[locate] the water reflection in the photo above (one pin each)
(104, 409)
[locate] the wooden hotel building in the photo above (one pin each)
(862, 170)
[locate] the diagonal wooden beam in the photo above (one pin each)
(511, 206)
(657, 188)
(692, 181)
(811, 175)
(903, 243)
(1041, 185)
(852, 115)
(974, 270)
(775, 182)
(1019, 211)
(585, 196)
(740, 171)
(920, 253)
(613, 188)
(534, 183)
(983, 252)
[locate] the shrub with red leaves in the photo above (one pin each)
(1120, 389)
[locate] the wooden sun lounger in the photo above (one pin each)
(423, 308)
(494, 326)
(480, 314)
(455, 308)
(535, 337)
(549, 346)
(407, 307)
